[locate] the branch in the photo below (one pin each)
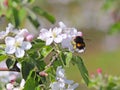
(53, 59)
(6, 69)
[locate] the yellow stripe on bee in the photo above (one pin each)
(78, 44)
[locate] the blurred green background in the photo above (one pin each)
(95, 19)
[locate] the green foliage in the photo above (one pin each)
(17, 11)
(3, 57)
(84, 73)
(108, 4)
(43, 13)
(102, 81)
(115, 28)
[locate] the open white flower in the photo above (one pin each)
(61, 82)
(51, 35)
(16, 45)
(73, 40)
(9, 86)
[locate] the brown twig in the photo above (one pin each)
(4, 69)
(53, 59)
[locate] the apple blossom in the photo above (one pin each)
(17, 45)
(51, 35)
(61, 82)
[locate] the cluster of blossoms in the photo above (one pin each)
(62, 83)
(13, 85)
(68, 37)
(102, 81)
(17, 41)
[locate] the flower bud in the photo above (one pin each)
(43, 74)
(99, 70)
(29, 37)
(5, 3)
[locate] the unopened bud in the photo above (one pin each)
(29, 37)
(5, 3)
(43, 74)
(99, 70)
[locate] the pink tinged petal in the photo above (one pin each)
(23, 32)
(79, 34)
(19, 52)
(10, 49)
(49, 41)
(9, 86)
(57, 31)
(9, 41)
(26, 45)
(58, 39)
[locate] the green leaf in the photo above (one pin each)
(84, 73)
(2, 52)
(16, 17)
(10, 63)
(31, 1)
(3, 57)
(46, 50)
(41, 12)
(22, 16)
(108, 4)
(115, 28)
(27, 66)
(34, 21)
(68, 58)
(30, 84)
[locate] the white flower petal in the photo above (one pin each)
(3, 34)
(26, 45)
(66, 43)
(62, 25)
(9, 28)
(73, 87)
(22, 83)
(10, 49)
(43, 30)
(18, 65)
(58, 39)
(49, 41)
(9, 41)
(19, 39)
(57, 31)
(19, 52)
(60, 72)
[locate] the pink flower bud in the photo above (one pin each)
(12, 81)
(99, 70)
(5, 3)
(80, 34)
(43, 74)
(29, 37)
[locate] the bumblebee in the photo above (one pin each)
(79, 43)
